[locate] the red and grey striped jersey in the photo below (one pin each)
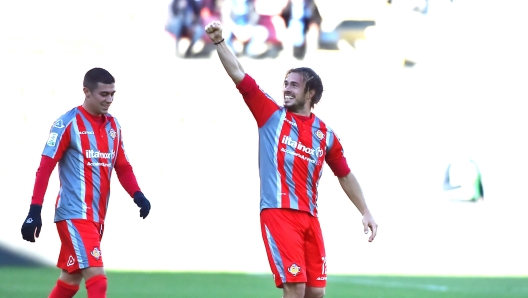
(292, 151)
(87, 152)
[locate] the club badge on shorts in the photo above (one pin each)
(96, 253)
(294, 269)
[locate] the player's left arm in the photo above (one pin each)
(128, 180)
(353, 190)
(350, 185)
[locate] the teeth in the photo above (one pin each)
(288, 97)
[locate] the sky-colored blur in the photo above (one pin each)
(193, 143)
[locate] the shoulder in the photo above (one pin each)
(325, 131)
(111, 118)
(66, 118)
(320, 123)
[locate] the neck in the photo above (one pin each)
(90, 111)
(305, 111)
(304, 114)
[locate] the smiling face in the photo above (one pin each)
(295, 99)
(98, 100)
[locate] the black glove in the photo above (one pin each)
(32, 224)
(143, 203)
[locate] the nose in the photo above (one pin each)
(109, 99)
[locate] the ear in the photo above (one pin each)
(311, 94)
(87, 92)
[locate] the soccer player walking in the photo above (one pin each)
(293, 146)
(87, 144)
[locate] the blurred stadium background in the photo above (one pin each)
(193, 143)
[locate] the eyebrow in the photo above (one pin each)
(291, 82)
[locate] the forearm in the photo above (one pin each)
(353, 190)
(127, 178)
(230, 62)
(43, 175)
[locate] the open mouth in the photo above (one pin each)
(288, 98)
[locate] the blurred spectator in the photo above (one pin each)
(299, 15)
(239, 18)
(270, 29)
(254, 28)
(262, 28)
(187, 19)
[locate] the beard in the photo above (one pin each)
(297, 106)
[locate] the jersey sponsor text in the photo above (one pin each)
(298, 145)
(99, 154)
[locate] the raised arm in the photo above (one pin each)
(229, 60)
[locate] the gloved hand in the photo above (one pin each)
(32, 224)
(143, 203)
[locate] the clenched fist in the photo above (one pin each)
(214, 31)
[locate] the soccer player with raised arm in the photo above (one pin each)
(293, 146)
(87, 144)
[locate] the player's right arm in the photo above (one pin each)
(33, 222)
(260, 104)
(227, 57)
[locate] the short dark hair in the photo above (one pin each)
(311, 81)
(95, 76)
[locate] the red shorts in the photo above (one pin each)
(295, 247)
(80, 244)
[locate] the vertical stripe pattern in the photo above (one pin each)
(275, 254)
(78, 245)
(292, 153)
(86, 166)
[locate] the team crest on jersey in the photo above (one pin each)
(58, 124)
(52, 139)
(319, 134)
(112, 133)
(96, 253)
(294, 269)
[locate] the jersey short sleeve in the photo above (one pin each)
(335, 156)
(261, 105)
(59, 135)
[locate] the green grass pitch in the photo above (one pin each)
(17, 282)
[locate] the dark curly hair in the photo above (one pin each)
(311, 80)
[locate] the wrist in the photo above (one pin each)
(218, 42)
(35, 208)
(138, 197)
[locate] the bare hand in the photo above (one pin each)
(370, 223)
(214, 31)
